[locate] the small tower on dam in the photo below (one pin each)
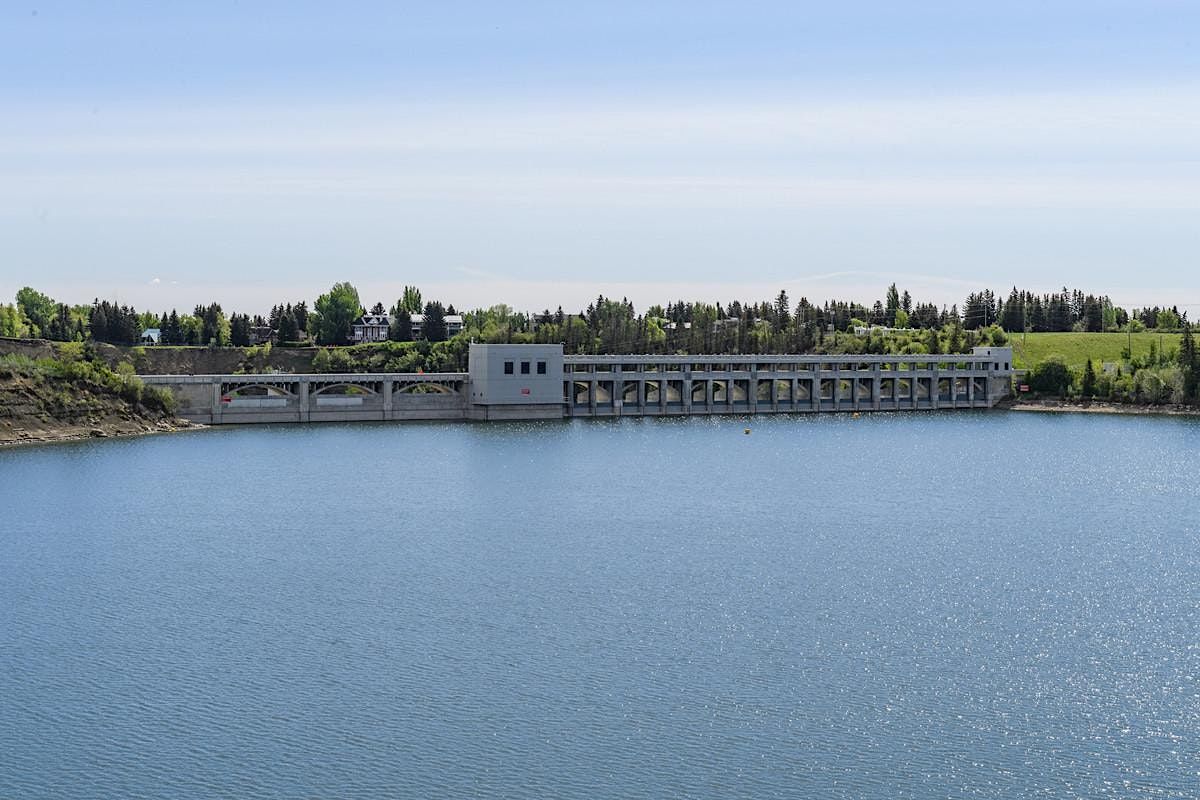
(1001, 371)
(515, 381)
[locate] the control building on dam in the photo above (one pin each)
(518, 382)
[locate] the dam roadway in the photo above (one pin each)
(516, 382)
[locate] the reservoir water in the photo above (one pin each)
(964, 604)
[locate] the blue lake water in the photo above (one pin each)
(963, 604)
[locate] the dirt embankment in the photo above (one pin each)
(30, 348)
(209, 361)
(181, 360)
(36, 408)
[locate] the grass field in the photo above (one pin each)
(1075, 348)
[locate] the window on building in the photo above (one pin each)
(524, 367)
(541, 368)
(508, 368)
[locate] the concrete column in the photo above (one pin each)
(774, 393)
(618, 391)
(304, 410)
(386, 388)
(837, 389)
(686, 396)
(752, 391)
(934, 389)
(708, 394)
(593, 387)
(971, 390)
(795, 390)
(877, 389)
(217, 405)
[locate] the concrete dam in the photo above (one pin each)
(522, 382)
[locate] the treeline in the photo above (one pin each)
(606, 325)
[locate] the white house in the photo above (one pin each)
(374, 327)
(371, 328)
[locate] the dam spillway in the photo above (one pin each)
(516, 382)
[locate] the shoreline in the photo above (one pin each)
(15, 437)
(1097, 407)
(42, 434)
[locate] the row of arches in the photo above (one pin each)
(768, 391)
(291, 389)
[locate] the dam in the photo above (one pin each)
(523, 382)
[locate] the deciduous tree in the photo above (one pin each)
(334, 314)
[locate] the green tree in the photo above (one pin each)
(214, 327)
(300, 311)
(334, 313)
(322, 361)
(289, 328)
(12, 322)
(1087, 386)
(1189, 364)
(400, 327)
(239, 330)
(782, 310)
(1050, 376)
(434, 326)
(172, 332)
(411, 300)
(1165, 320)
(38, 308)
(893, 305)
(932, 343)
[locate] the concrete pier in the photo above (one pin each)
(514, 382)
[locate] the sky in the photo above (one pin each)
(540, 154)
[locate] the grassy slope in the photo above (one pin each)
(1075, 348)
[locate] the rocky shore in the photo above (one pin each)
(1098, 407)
(18, 432)
(43, 403)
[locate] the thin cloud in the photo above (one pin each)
(892, 277)
(480, 274)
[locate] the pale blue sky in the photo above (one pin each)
(537, 153)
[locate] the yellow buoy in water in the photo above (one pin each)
(747, 431)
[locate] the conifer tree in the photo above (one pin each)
(400, 329)
(1189, 364)
(1088, 386)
